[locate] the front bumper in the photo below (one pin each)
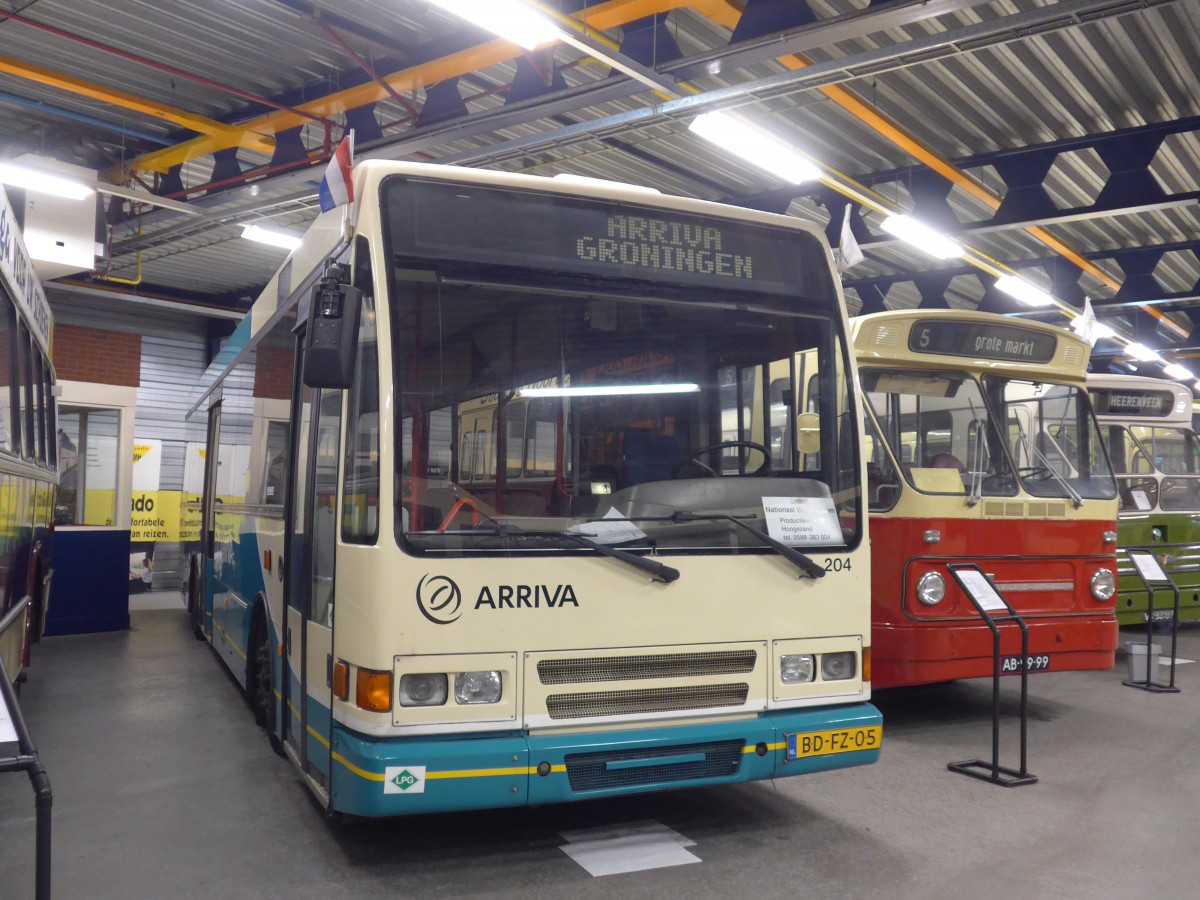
(404, 776)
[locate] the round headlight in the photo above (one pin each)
(1104, 584)
(931, 589)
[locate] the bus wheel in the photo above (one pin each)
(264, 687)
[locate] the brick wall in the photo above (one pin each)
(97, 355)
(273, 372)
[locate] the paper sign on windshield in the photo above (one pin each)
(618, 531)
(800, 521)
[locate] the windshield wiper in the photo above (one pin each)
(792, 555)
(658, 571)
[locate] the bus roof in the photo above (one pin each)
(1128, 389)
(971, 340)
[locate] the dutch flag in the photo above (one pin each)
(337, 186)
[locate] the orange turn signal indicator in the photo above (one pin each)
(341, 679)
(866, 664)
(374, 690)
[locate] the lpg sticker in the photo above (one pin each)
(404, 780)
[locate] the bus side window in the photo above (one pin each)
(466, 458)
(360, 488)
(24, 425)
(7, 383)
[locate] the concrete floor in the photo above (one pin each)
(164, 788)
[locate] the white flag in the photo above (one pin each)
(849, 253)
(1086, 325)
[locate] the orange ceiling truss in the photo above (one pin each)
(602, 17)
(258, 133)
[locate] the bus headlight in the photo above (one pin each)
(837, 666)
(1104, 585)
(477, 687)
(797, 668)
(423, 690)
(931, 588)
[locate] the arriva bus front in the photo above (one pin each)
(489, 520)
(982, 448)
(1147, 427)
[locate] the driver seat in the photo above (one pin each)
(648, 456)
(947, 461)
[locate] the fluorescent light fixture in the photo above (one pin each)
(1196, 386)
(922, 237)
(510, 19)
(1175, 370)
(1027, 293)
(609, 390)
(282, 239)
(1142, 352)
(755, 146)
(42, 182)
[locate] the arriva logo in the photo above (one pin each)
(439, 599)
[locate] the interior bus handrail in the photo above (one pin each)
(28, 761)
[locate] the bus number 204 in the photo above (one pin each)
(836, 564)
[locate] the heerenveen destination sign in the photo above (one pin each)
(16, 271)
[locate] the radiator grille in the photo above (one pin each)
(648, 700)
(589, 771)
(662, 665)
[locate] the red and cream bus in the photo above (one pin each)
(982, 447)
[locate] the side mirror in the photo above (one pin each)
(808, 432)
(331, 341)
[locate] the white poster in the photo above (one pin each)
(977, 585)
(1147, 565)
(147, 464)
(193, 471)
(801, 521)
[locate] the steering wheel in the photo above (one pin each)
(696, 463)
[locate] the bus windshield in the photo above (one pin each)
(938, 428)
(540, 396)
(1053, 438)
(942, 429)
(1141, 452)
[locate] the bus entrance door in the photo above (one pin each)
(311, 539)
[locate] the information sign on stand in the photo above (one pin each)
(994, 610)
(1151, 574)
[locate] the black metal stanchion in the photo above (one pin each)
(1152, 574)
(27, 760)
(994, 609)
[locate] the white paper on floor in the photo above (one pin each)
(631, 847)
(1166, 661)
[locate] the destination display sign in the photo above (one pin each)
(598, 238)
(981, 340)
(1125, 402)
(18, 277)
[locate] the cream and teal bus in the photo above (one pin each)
(1147, 425)
(485, 522)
